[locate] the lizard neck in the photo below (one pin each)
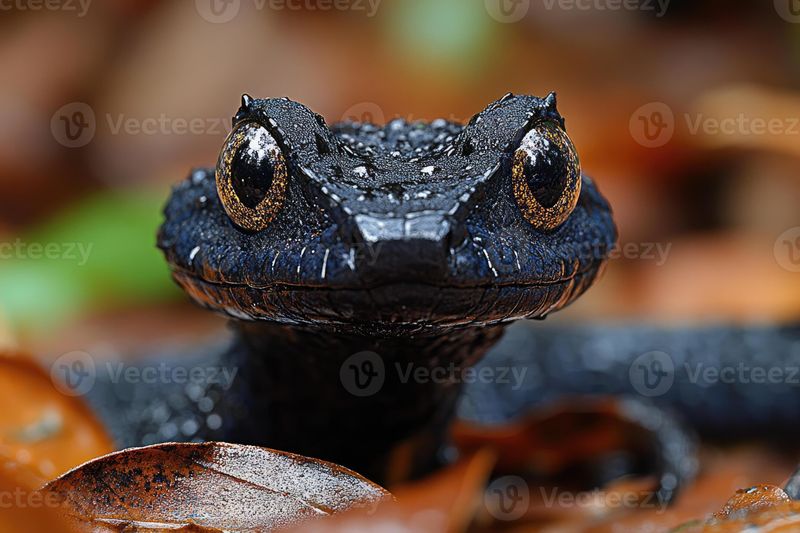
(379, 405)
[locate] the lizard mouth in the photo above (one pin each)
(389, 308)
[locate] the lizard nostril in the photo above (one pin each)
(412, 248)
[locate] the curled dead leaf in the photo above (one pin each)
(22, 507)
(207, 487)
(447, 501)
(760, 508)
(45, 431)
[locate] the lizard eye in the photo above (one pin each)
(251, 177)
(546, 176)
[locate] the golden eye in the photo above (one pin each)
(251, 177)
(546, 176)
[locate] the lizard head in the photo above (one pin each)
(400, 228)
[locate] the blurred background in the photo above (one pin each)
(686, 113)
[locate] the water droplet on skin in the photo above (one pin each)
(214, 422)
(198, 177)
(168, 431)
(205, 404)
(189, 428)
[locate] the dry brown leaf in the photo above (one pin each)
(768, 512)
(723, 472)
(22, 507)
(207, 487)
(42, 428)
(445, 502)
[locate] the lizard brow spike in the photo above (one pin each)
(551, 102)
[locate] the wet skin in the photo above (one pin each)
(416, 241)
(397, 229)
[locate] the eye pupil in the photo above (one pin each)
(546, 174)
(251, 177)
(252, 174)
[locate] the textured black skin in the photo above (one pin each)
(597, 360)
(395, 251)
(404, 240)
(561, 361)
